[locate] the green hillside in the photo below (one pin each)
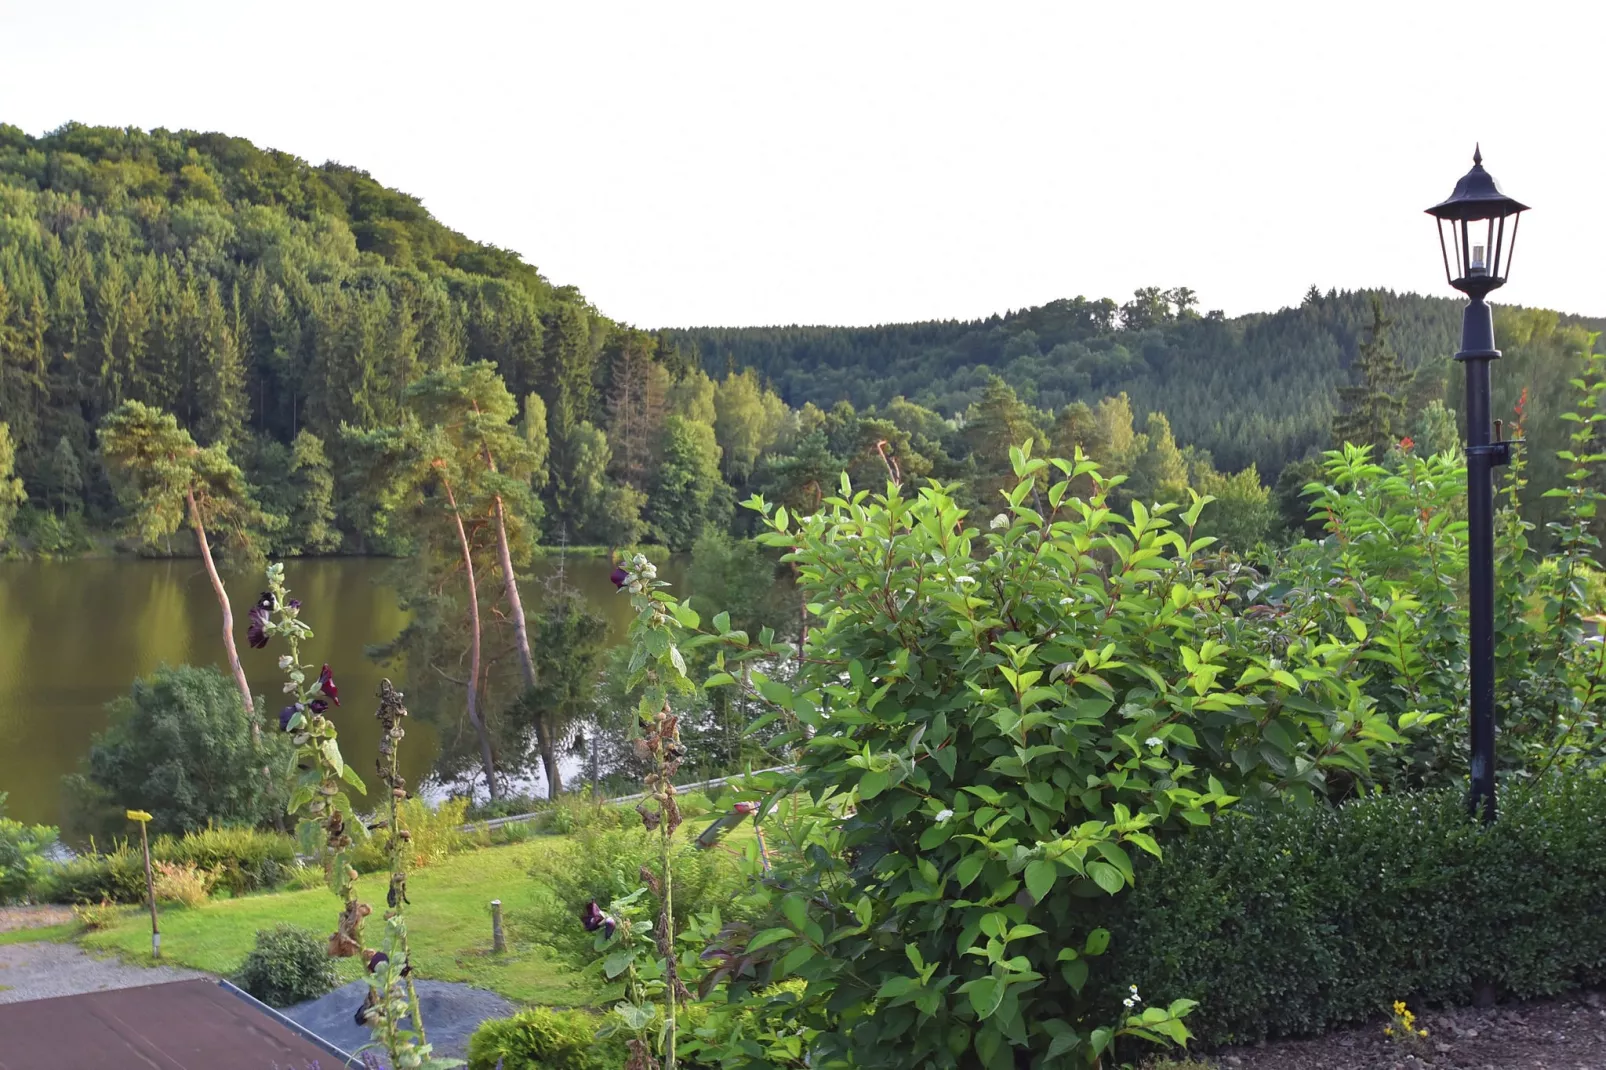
(256, 296)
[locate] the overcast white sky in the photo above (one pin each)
(693, 163)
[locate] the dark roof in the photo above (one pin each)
(182, 1025)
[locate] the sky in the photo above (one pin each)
(749, 163)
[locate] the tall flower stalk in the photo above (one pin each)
(657, 666)
(328, 826)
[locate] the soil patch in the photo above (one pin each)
(12, 918)
(1560, 1034)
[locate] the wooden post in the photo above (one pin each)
(150, 884)
(498, 940)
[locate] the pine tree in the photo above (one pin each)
(11, 493)
(66, 477)
(165, 479)
(311, 528)
(1372, 409)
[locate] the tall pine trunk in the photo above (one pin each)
(487, 757)
(521, 631)
(549, 758)
(228, 617)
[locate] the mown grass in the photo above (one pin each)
(449, 926)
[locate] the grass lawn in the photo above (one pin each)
(449, 926)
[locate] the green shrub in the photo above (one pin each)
(605, 864)
(436, 833)
(180, 746)
(22, 854)
(288, 965)
(117, 876)
(244, 859)
(542, 1039)
(1296, 921)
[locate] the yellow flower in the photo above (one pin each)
(1388, 1030)
(1421, 1032)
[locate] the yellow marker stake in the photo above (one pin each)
(150, 884)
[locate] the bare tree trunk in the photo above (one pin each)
(515, 605)
(549, 760)
(487, 758)
(228, 618)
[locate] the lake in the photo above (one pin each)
(75, 634)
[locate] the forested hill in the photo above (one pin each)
(281, 310)
(1260, 388)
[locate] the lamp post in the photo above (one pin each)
(1476, 248)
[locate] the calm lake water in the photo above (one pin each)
(74, 635)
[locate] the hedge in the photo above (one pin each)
(1295, 921)
(246, 860)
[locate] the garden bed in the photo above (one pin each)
(1561, 1034)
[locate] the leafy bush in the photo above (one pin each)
(992, 721)
(1296, 921)
(117, 876)
(181, 882)
(288, 965)
(180, 746)
(542, 1039)
(436, 833)
(242, 859)
(605, 864)
(93, 916)
(23, 850)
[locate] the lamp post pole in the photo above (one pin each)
(1483, 454)
(1477, 251)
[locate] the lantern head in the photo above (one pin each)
(1472, 227)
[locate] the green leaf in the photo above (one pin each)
(1075, 973)
(618, 962)
(796, 911)
(331, 753)
(872, 784)
(1106, 876)
(985, 993)
(1040, 878)
(768, 937)
(1098, 941)
(349, 775)
(969, 867)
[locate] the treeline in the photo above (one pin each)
(268, 304)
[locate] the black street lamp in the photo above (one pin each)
(1476, 247)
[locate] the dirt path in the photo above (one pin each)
(33, 917)
(1561, 1034)
(41, 970)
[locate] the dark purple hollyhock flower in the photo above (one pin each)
(376, 959)
(295, 604)
(593, 919)
(619, 577)
(326, 683)
(255, 632)
(285, 715)
(317, 705)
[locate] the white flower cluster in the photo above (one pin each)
(1133, 1000)
(642, 572)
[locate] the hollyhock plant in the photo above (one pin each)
(256, 632)
(326, 684)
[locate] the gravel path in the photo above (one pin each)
(452, 1011)
(41, 970)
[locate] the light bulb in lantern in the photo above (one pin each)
(1478, 266)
